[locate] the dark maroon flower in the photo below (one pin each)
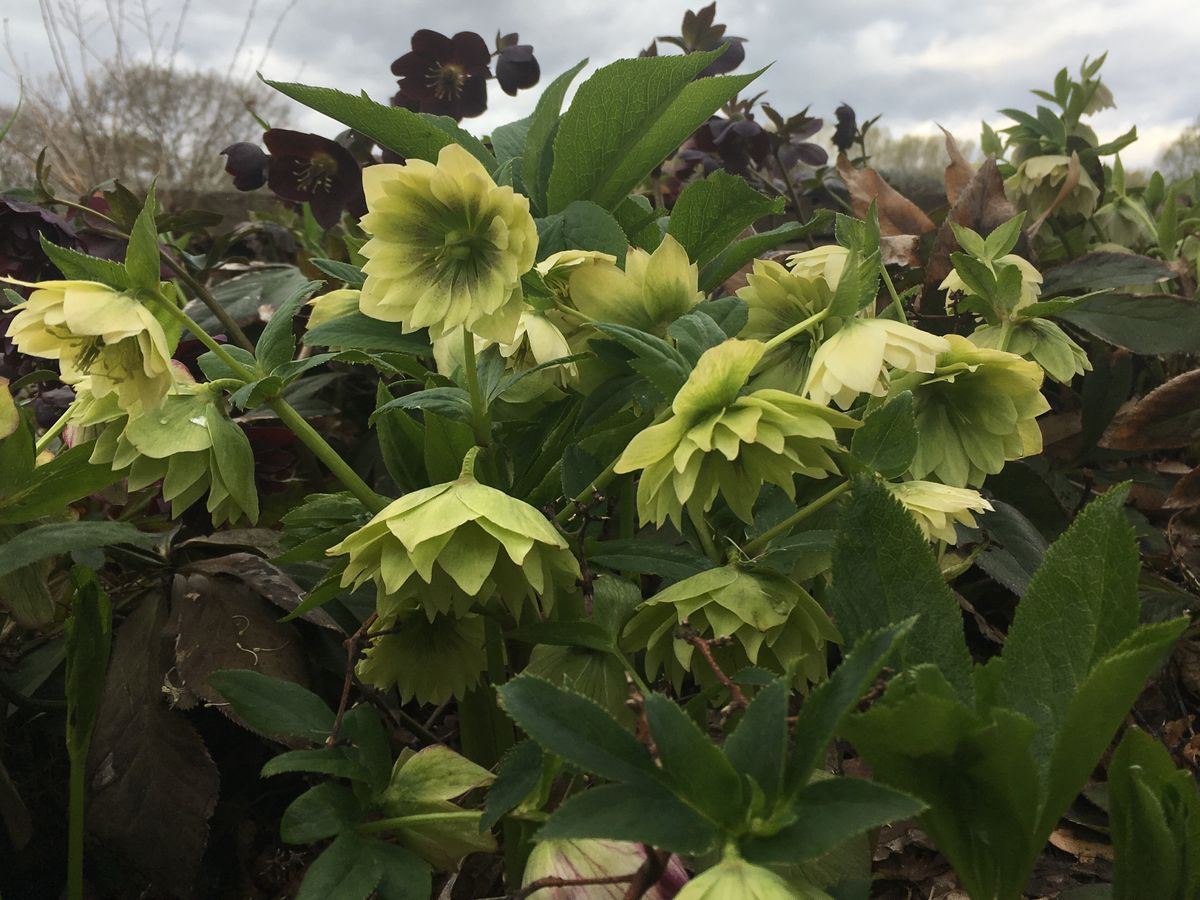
(737, 144)
(308, 167)
(517, 69)
(847, 128)
(21, 226)
(792, 137)
(700, 34)
(445, 76)
(247, 163)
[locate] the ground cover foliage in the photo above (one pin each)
(637, 501)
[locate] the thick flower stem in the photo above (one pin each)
(703, 533)
(1006, 330)
(52, 432)
(75, 827)
(480, 420)
(795, 518)
(799, 328)
(897, 304)
(287, 415)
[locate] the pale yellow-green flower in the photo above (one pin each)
(978, 410)
(651, 292)
(1038, 180)
(94, 330)
(827, 262)
(332, 305)
(448, 246)
(937, 507)
(429, 660)
(717, 441)
(188, 443)
(1042, 341)
(776, 299)
(769, 621)
(592, 859)
(735, 879)
(447, 546)
(557, 268)
(855, 359)
(1031, 278)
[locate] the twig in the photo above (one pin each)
(649, 874)
(351, 643)
(687, 633)
(555, 881)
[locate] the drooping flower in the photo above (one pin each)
(653, 291)
(448, 246)
(853, 360)
(1035, 186)
(825, 262)
(444, 547)
(516, 66)
(718, 441)
(429, 660)
(1042, 341)
(937, 507)
(97, 332)
(313, 169)
(768, 619)
(248, 165)
(445, 76)
(975, 412)
(735, 879)
(189, 444)
(557, 268)
(776, 299)
(847, 128)
(594, 858)
(1031, 278)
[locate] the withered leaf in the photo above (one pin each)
(1167, 417)
(221, 623)
(897, 214)
(981, 206)
(959, 172)
(1186, 492)
(151, 783)
(267, 580)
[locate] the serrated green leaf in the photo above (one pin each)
(50, 487)
(141, 255)
(320, 812)
(518, 775)
(887, 441)
(626, 118)
(662, 365)
(59, 538)
(347, 869)
(272, 706)
(698, 771)
(351, 274)
(359, 332)
(738, 254)
(1151, 324)
(277, 343)
(710, 213)
(451, 402)
(81, 267)
(538, 154)
(582, 225)
(758, 746)
(643, 557)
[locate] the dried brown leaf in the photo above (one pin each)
(151, 784)
(1167, 417)
(897, 214)
(1186, 492)
(900, 250)
(267, 580)
(959, 172)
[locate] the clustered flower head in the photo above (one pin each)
(976, 411)
(938, 507)
(99, 333)
(444, 547)
(651, 292)
(188, 443)
(770, 621)
(717, 441)
(853, 360)
(448, 247)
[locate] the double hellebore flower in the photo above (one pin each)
(852, 361)
(189, 444)
(937, 507)
(445, 76)
(444, 547)
(719, 440)
(1035, 186)
(94, 330)
(596, 858)
(825, 262)
(430, 660)
(776, 299)
(651, 292)
(1042, 341)
(977, 410)
(448, 247)
(768, 619)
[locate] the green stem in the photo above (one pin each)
(795, 518)
(333, 461)
(287, 414)
(799, 328)
(1006, 330)
(418, 819)
(480, 420)
(52, 432)
(75, 828)
(202, 294)
(703, 532)
(897, 304)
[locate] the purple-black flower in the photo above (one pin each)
(445, 76)
(517, 68)
(248, 164)
(847, 128)
(313, 169)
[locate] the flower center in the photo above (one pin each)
(447, 80)
(459, 245)
(317, 173)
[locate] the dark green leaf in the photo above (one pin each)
(710, 213)
(694, 332)
(699, 773)
(81, 267)
(320, 812)
(887, 442)
(51, 486)
(538, 154)
(643, 557)
(564, 634)
(647, 813)
(352, 275)
(576, 729)
(451, 402)
(325, 761)
(758, 747)
(58, 538)
(141, 255)
(1150, 324)
(737, 255)
(662, 365)
(348, 870)
(88, 643)
(581, 226)
(277, 343)
(274, 707)
(359, 332)
(518, 776)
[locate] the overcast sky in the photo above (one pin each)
(918, 62)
